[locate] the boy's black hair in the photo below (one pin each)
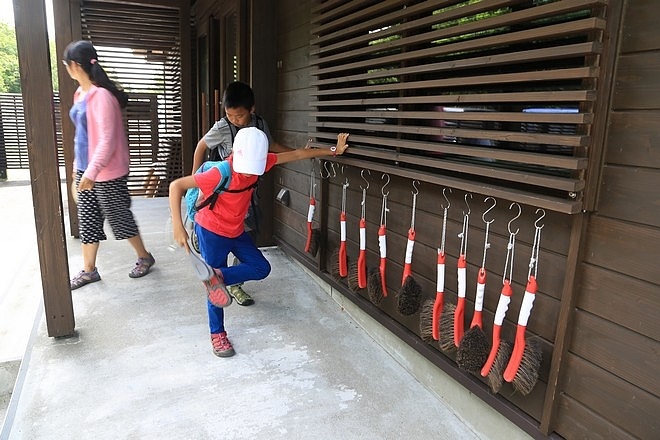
(84, 53)
(238, 94)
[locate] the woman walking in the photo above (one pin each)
(100, 164)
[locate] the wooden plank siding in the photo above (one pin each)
(610, 386)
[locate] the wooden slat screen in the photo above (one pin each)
(497, 94)
(13, 137)
(140, 48)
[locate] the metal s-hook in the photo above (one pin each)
(508, 226)
(325, 167)
(467, 204)
(445, 196)
(364, 178)
(415, 192)
(536, 223)
(382, 189)
(483, 216)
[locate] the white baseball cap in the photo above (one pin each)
(250, 151)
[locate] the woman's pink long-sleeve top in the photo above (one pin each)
(107, 142)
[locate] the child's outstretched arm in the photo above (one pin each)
(177, 189)
(302, 153)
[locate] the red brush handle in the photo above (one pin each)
(343, 263)
(362, 258)
(310, 218)
(439, 296)
(519, 344)
(502, 307)
(459, 314)
(479, 299)
(407, 267)
(382, 246)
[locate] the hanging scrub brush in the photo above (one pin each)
(358, 277)
(340, 260)
(429, 317)
(376, 281)
(459, 313)
(500, 350)
(410, 295)
(313, 234)
(523, 367)
(473, 349)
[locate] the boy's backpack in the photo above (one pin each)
(193, 195)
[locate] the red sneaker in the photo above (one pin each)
(217, 291)
(221, 345)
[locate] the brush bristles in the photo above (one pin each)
(374, 285)
(446, 341)
(426, 322)
(334, 265)
(472, 352)
(314, 242)
(352, 277)
(410, 297)
(528, 371)
(496, 373)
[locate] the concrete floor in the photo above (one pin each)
(309, 364)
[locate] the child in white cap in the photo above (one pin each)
(220, 228)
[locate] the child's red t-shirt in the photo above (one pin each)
(226, 217)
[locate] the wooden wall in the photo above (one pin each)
(611, 379)
(598, 329)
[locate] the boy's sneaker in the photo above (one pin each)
(241, 297)
(84, 278)
(216, 290)
(221, 345)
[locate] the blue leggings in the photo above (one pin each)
(215, 249)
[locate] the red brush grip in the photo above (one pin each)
(493, 351)
(437, 312)
(459, 321)
(308, 243)
(516, 356)
(383, 283)
(362, 269)
(343, 264)
(407, 270)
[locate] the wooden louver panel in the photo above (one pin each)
(140, 48)
(493, 93)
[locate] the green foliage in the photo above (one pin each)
(10, 77)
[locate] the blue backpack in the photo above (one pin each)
(193, 195)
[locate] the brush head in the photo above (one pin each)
(426, 322)
(472, 351)
(496, 373)
(409, 297)
(374, 285)
(446, 341)
(528, 371)
(334, 265)
(314, 242)
(352, 277)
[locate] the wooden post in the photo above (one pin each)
(34, 65)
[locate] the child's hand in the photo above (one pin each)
(181, 237)
(341, 143)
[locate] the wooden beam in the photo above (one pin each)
(34, 66)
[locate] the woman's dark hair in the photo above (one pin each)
(238, 94)
(84, 53)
